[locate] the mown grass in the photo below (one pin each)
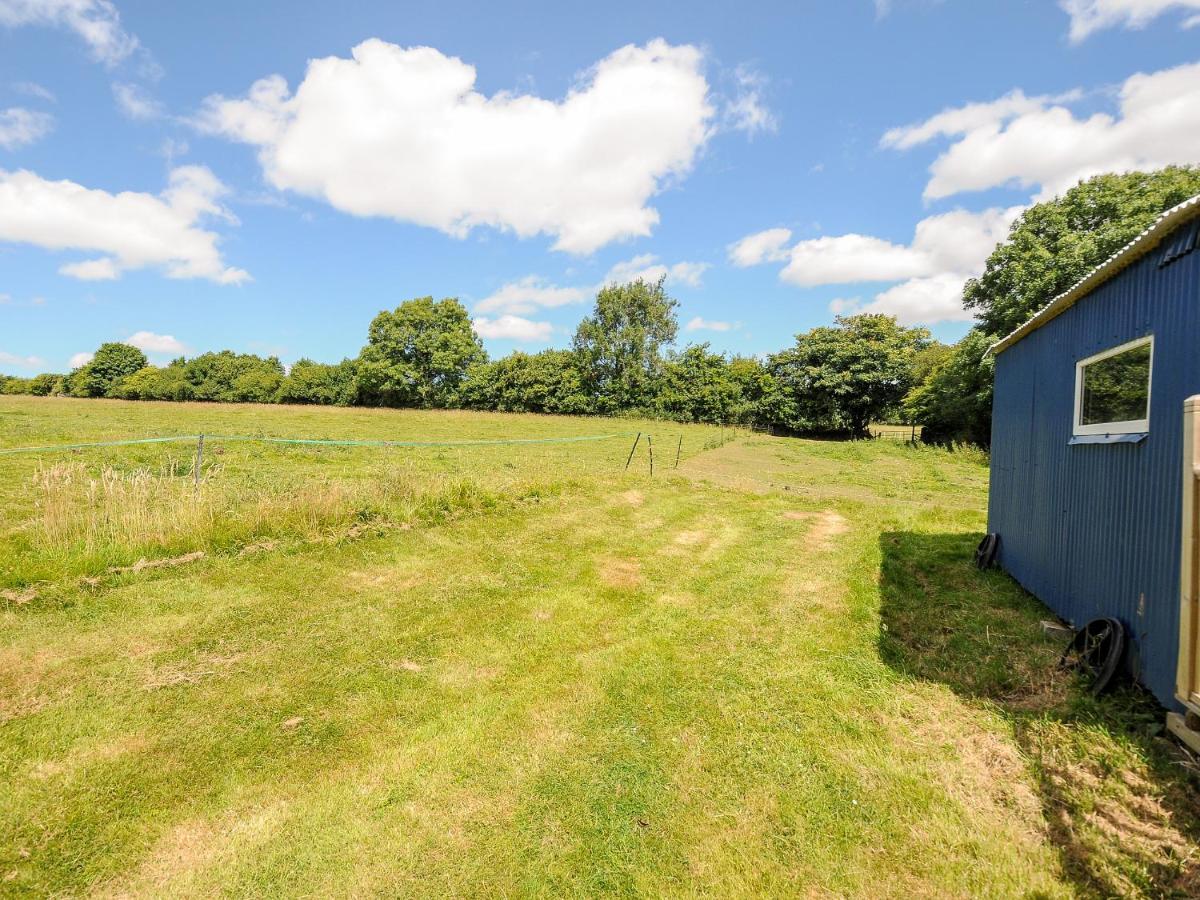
(772, 671)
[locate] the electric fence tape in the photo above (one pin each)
(313, 442)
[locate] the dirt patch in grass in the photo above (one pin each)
(19, 597)
(263, 546)
(621, 573)
(690, 538)
(188, 848)
(170, 562)
(827, 526)
(633, 498)
(207, 665)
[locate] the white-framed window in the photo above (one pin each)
(1112, 389)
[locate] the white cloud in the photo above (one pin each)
(700, 324)
(1090, 16)
(134, 102)
(957, 241)
(647, 267)
(937, 298)
(81, 359)
(747, 110)
(23, 362)
(945, 251)
(33, 89)
(962, 119)
(530, 293)
(1040, 143)
(20, 126)
(103, 269)
(97, 22)
(133, 230)
(757, 248)
(514, 328)
(155, 343)
(402, 133)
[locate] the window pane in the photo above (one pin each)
(1117, 389)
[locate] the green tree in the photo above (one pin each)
(155, 383)
(699, 386)
(418, 354)
(546, 382)
(843, 377)
(228, 377)
(1055, 244)
(620, 344)
(111, 363)
(314, 382)
(954, 402)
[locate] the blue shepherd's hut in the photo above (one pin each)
(1095, 482)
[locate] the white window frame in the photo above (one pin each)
(1136, 426)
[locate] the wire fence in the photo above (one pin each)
(199, 440)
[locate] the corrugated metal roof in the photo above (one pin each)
(1131, 252)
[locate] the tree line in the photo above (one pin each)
(834, 379)
(622, 361)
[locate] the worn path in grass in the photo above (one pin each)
(757, 674)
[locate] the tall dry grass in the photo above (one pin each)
(114, 516)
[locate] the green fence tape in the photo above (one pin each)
(314, 442)
(151, 440)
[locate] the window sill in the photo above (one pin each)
(1133, 438)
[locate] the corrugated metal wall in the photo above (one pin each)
(1093, 529)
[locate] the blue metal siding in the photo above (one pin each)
(1094, 530)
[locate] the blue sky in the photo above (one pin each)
(266, 177)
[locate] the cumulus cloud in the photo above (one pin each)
(23, 362)
(20, 126)
(957, 241)
(945, 251)
(513, 328)
(530, 293)
(760, 247)
(402, 133)
(134, 102)
(701, 324)
(81, 359)
(132, 230)
(1040, 143)
(647, 267)
(97, 22)
(155, 343)
(1090, 16)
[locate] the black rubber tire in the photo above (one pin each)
(985, 553)
(1096, 651)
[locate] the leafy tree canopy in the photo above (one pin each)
(843, 377)
(620, 343)
(419, 354)
(954, 402)
(546, 382)
(110, 364)
(1055, 244)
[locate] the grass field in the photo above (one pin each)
(521, 670)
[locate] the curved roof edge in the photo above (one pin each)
(1130, 253)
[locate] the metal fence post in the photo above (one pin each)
(631, 449)
(199, 461)
(650, 444)
(678, 450)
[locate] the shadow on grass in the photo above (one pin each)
(1121, 802)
